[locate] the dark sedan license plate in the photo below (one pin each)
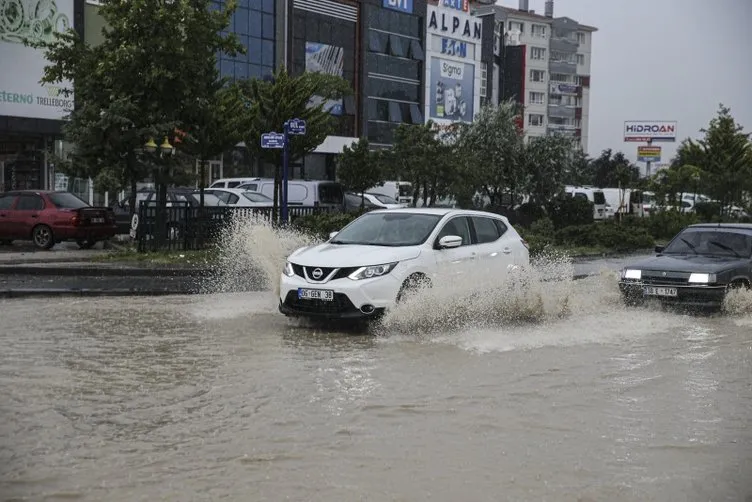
(97, 220)
(658, 291)
(326, 295)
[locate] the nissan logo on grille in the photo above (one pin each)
(317, 273)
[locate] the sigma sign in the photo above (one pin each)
(649, 130)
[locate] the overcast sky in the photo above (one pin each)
(663, 60)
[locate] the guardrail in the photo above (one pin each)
(189, 227)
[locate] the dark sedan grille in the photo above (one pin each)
(341, 273)
(655, 279)
(340, 305)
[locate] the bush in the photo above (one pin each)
(565, 212)
(322, 224)
(611, 236)
(665, 225)
(708, 211)
(539, 236)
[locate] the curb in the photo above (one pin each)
(28, 293)
(116, 271)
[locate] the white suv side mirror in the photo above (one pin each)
(450, 241)
(332, 234)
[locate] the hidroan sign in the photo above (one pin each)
(453, 22)
(649, 130)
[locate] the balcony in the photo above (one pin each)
(564, 67)
(563, 45)
(578, 113)
(562, 111)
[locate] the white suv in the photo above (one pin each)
(367, 266)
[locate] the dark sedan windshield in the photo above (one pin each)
(712, 242)
(388, 229)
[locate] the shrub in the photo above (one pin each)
(666, 224)
(708, 211)
(577, 235)
(623, 238)
(572, 211)
(322, 224)
(539, 236)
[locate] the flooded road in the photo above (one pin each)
(219, 397)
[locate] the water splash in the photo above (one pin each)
(479, 299)
(738, 302)
(253, 253)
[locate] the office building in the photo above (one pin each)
(543, 63)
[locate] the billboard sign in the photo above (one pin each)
(649, 130)
(21, 94)
(452, 90)
(453, 23)
(648, 153)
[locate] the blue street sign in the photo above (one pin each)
(297, 127)
(272, 140)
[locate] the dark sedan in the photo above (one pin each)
(696, 269)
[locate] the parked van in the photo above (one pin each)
(302, 192)
(401, 191)
(623, 201)
(594, 195)
(232, 182)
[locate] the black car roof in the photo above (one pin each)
(730, 226)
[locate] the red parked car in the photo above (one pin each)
(47, 217)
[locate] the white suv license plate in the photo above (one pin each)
(654, 291)
(326, 295)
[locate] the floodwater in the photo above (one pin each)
(219, 397)
(555, 393)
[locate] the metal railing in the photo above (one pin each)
(182, 226)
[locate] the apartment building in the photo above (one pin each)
(544, 64)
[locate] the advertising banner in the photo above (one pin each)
(400, 5)
(21, 94)
(649, 130)
(452, 85)
(326, 59)
(648, 153)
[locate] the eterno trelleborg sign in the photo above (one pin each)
(649, 130)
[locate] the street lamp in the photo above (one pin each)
(165, 148)
(150, 146)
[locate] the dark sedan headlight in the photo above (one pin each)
(631, 273)
(372, 271)
(702, 278)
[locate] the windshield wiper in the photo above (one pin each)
(689, 244)
(724, 247)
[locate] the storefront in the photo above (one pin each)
(453, 62)
(32, 114)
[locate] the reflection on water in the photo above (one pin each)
(219, 396)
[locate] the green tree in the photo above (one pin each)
(493, 153)
(723, 157)
(142, 81)
(273, 101)
(614, 170)
(359, 168)
(580, 170)
(547, 160)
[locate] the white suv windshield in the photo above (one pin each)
(388, 229)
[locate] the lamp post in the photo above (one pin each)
(163, 152)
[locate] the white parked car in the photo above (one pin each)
(235, 197)
(366, 267)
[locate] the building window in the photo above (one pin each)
(495, 84)
(516, 26)
(537, 98)
(535, 120)
(580, 37)
(537, 75)
(562, 57)
(580, 59)
(483, 79)
(537, 53)
(578, 80)
(538, 30)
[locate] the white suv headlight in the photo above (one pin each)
(289, 271)
(372, 271)
(630, 273)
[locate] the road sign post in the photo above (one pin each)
(294, 127)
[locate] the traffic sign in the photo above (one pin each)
(272, 140)
(297, 127)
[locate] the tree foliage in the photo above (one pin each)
(614, 170)
(150, 75)
(359, 168)
(271, 102)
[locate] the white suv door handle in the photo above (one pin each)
(506, 250)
